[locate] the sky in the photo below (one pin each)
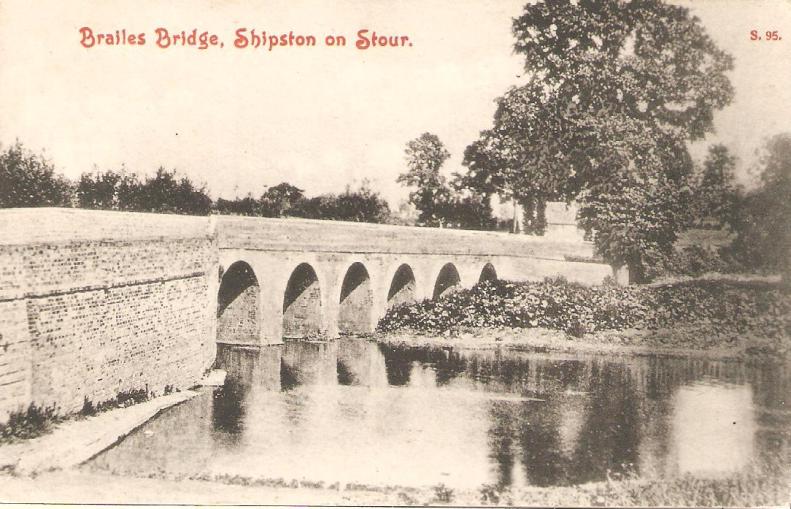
(319, 117)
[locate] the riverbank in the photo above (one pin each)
(692, 341)
(74, 441)
(718, 319)
(77, 487)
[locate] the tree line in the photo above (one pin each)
(29, 180)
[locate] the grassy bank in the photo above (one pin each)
(695, 315)
(741, 490)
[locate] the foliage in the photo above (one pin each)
(278, 200)
(693, 261)
(762, 224)
(121, 400)
(162, 192)
(635, 219)
(443, 494)
(425, 156)
(454, 205)
(38, 420)
(30, 423)
(100, 190)
(247, 206)
(361, 205)
(761, 485)
(716, 195)
(534, 218)
(471, 212)
(576, 309)
(28, 180)
(614, 91)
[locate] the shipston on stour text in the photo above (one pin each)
(243, 38)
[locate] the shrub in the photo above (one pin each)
(576, 310)
(693, 261)
(30, 423)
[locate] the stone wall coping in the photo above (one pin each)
(51, 225)
(287, 234)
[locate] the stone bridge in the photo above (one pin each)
(93, 303)
(303, 279)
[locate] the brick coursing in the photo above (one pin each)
(116, 305)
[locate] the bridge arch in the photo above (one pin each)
(402, 287)
(356, 301)
(302, 304)
(238, 305)
(488, 273)
(447, 279)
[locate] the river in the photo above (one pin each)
(357, 411)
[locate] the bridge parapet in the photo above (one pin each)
(270, 234)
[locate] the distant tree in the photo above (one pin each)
(129, 192)
(425, 156)
(763, 224)
(279, 199)
(100, 190)
(316, 207)
(165, 192)
(29, 180)
(471, 212)
(502, 160)
(361, 205)
(716, 195)
(247, 206)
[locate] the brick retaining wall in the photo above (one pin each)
(93, 303)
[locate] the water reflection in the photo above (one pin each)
(713, 428)
(358, 411)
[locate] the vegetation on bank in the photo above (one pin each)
(757, 308)
(35, 420)
(765, 485)
(29, 423)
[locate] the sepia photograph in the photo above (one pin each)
(395, 253)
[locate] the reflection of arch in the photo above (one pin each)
(238, 305)
(402, 288)
(302, 304)
(488, 273)
(354, 315)
(447, 280)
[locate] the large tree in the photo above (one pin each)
(615, 90)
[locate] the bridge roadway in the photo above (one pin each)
(287, 279)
